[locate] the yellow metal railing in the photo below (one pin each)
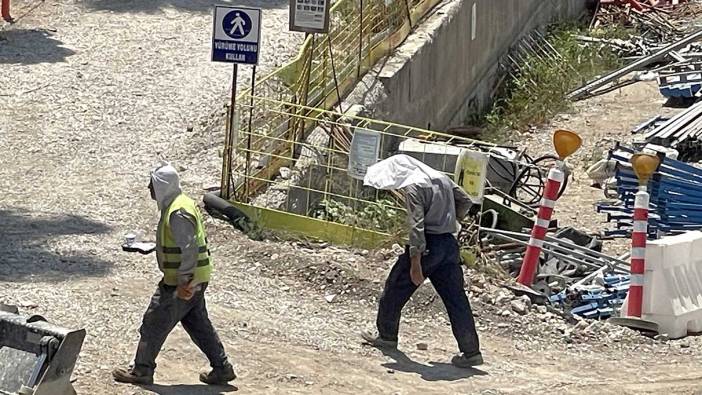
(361, 33)
(308, 176)
(328, 66)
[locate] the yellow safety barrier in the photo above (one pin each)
(292, 181)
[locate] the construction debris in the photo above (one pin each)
(688, 10)
(653, 22)
(574, 274)
(598, 300)
(682, 132)
(660, 42)
(635, 47)
(681, 80)
(592, 87)
(675, 189)
(568, 256)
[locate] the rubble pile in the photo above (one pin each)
(573, 273)
(598, 300)
(664, 47)
(653, 23)
(499, 309)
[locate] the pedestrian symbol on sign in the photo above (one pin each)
(237, 24)
(236, 34)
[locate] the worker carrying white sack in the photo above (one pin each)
(434, 204)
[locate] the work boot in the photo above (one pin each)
(377, 341)
(467, 361)
(219, 375)
(132, 376)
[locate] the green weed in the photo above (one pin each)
(539, 90)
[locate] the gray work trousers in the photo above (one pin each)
(164, 312)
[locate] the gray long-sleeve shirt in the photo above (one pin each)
(183, 231)
(434, 210)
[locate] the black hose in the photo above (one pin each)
(218, 207)
(531, 164)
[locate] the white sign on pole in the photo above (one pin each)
(236, 35)
(310, 16)
(365, 148)
(471, 172)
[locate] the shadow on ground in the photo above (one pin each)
(190, 389)
(153, 6)
(31, 46)
(434, 371)
(680, 102)
(26, 254)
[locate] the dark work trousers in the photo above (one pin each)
(164, 313)
(442, 266)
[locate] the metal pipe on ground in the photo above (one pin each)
(550, 240)
(583, 91)
(564, 251)
(593, 265)
(216, 205)
(588, 251)
(594, 274)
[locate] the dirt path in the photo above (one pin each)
(94, 92)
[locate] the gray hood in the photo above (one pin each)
(166, 185)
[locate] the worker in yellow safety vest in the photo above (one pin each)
(184, 259)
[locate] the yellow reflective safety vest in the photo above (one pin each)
(169, 252)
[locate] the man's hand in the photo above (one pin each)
(416, 274)
(185, 291)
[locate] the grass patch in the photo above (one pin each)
(382, 215)
(537, 92)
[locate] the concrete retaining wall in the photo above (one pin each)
(447, 68)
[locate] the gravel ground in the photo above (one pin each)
(94, 93)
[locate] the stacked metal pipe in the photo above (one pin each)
(682, 132)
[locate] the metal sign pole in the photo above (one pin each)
(228, 140)
(236, 38)
(360, 46)
(248, 138)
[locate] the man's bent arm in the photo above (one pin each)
(414, 201)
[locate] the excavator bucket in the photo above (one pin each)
(36, 357)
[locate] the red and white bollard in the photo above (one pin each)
(638, 253)
(538, 232)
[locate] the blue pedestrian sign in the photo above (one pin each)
(236, 35)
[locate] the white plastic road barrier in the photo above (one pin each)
(672, 295)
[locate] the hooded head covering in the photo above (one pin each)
(399, 171)
(166, 184)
